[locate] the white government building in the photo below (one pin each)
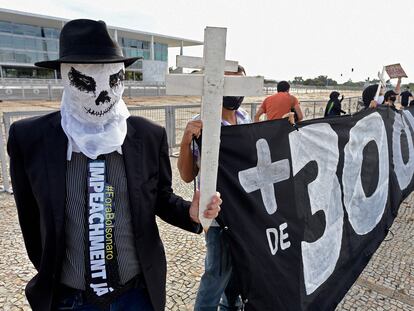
(26, 38)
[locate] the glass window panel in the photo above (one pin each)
(21, 57)
(146, 55)
(127, 52)
(128, 42)
(52, 55)
(39, 44)
(30, 44)
(25, 72)
(18, 29)
(6, 27)
(134, 43)
(52, 45)
(44, 74)
(6, 41)
(158, 55)
(7, 56)
(10, 73)
(145, 45)
(51, 33)
(34, 31)
(32, 57)
(18, 43)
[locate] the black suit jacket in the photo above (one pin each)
(38, 148)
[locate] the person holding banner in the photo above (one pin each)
(217, 286)
(390, 98)
(369, 93)
(89, 181)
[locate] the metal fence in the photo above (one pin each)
(52, 89)
(173, 118)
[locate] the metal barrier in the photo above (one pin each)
(55, 91)
(32, 89)
(173, 118)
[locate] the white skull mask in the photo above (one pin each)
(93, 112)
(93, 91)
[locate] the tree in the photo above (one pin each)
(298, 80)
(320, 81)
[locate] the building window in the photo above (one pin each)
(31, 73)
(27, 44)
(133, 75)
(6, 27)
(160, 51)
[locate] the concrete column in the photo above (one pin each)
(182, 48)
(152, 54)
(116, 35)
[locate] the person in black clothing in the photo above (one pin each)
(405, 96)
(389, 98)
(89, 181)
(333, 107)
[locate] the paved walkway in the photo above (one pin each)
(387, 283)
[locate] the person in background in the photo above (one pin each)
(368, 95)
(389, 98)
(333, 107)
(405, 97)
(280, 105)
(217, 285)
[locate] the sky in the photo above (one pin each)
(272, 38)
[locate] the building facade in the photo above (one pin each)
(27, 38)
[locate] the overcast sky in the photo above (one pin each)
(276, 39)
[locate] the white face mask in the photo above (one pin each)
(380, 99)
(93, 89)
(93, 112)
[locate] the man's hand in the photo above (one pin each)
(213, 208)
(373, 104)
(290, 116)
(193, 129)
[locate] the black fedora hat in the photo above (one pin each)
(84, 41)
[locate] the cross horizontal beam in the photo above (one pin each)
(198, 63)
(192, 85)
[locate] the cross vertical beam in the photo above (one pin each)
(213, 85)
(381, 83)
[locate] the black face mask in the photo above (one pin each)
(232, 102)
(393, 98)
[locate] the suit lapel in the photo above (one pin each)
(132, 151)
(55, 143)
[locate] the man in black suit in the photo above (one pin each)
(88, 182)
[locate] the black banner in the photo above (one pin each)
(304, 210)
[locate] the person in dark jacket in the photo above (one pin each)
(89, 181)
(333, 107)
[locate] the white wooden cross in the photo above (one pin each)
(212, 85)
(381, 83)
